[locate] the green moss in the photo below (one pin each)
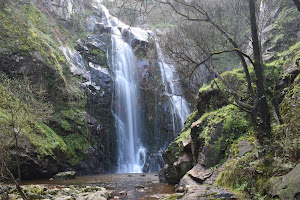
(287, 57)
(235, 123)
(204, 87)
(46, 140)
(183, 136)
(35, 17)
(70, 117)
(77, 147)
(237, 80)
(190, 119)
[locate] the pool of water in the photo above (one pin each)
(122, 186)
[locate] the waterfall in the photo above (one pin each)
(179, 106)
(131, 153)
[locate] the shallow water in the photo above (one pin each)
(122, 186)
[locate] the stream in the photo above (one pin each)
(121, 186)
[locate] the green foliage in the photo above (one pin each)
(77, 147)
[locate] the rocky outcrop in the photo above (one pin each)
(62, 8)
(275, 25)
(286, 187)
(199, 182)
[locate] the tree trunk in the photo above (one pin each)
(297, 3)
(263, 124)
(17, 184)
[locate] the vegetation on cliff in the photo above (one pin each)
(36, 79)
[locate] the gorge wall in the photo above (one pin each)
(67, 51)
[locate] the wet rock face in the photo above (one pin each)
(34, 168)
(62, 8)
(18, 65)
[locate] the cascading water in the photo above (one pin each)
(132, 154)
(128, 119)
(179, 106)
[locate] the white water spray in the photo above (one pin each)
(131, 154)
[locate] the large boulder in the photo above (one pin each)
(178, 162)
(65, 175)
(174, 172)
(288, 186)
(199, 173)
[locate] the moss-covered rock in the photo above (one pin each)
(178, 163)
(29, 47)
(214, 132)
(286, 187)
(65, 175)
(208, 100)
(211, 136)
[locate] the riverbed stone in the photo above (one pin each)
(65, 175)
(62, 192)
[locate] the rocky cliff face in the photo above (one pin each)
(77, 85)
(67, 53)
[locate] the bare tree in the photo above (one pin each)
(21, 107)
(193, 51)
